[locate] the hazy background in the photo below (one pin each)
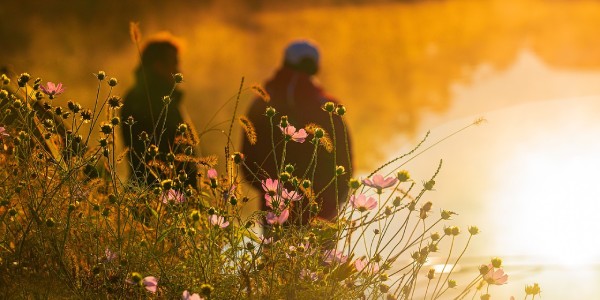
(391, 61)
(527, 178)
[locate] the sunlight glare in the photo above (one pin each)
(548, 204)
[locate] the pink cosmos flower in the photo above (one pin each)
(150, 283)
(308, 275)
(3, 132)
(230, 192)
(218, 221)
(362, 263)
(187, 296)
(52, 90)
(273, 219)
(362, 204)
(212, 174)
(266, 241)
(296, 136)
(270, 186)
(292, 196)
(110, 256)
(334, 256)
(172, 196)
(277, 200)
(379, 182)
(497, 277)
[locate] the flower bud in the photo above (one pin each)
(340, 110)
(451, 283)
(340, 170)
(496, 262)
(319, 133)
(238, 157)
(3, 94)
(532, 289)
(166, 100)
(431, 274)
(115, 121)
(473, 230)
(306, 183)
(23, 79)
(455, 230)
(283, 122)
(432, 248)
(143, 136)
(167, 184)
(485, 297)
(106, 128)
(329, 107)
(135, 277)
(178, 77)
(50, 222)
(435, 236)
(484, 269)
(448, 230)
(101, 75)
(112, 82)
(388, 211)
(129, 121)
(427, 206)
(403, 176)
(5, 79)
(182, 128)
(270, 112)
(429, 185)
(103, 142)
(195, 215)
(114, 102)
(153, 150)
(289, 168)
(206, 289)
(446, 214)
(284, 176)
(354, 183)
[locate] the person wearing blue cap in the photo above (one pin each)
(295, 93)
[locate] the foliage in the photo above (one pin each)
(71, 227)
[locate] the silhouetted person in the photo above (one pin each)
(294, 92)
(146, 104)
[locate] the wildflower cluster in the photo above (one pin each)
(71, 222)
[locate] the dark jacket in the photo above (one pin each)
(296, 95)
(146, 106)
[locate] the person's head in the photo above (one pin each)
(303, 56)
(161, 58)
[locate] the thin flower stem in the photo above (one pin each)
(273, 143)
(459, 257)
(237, 102)
(443, 268)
